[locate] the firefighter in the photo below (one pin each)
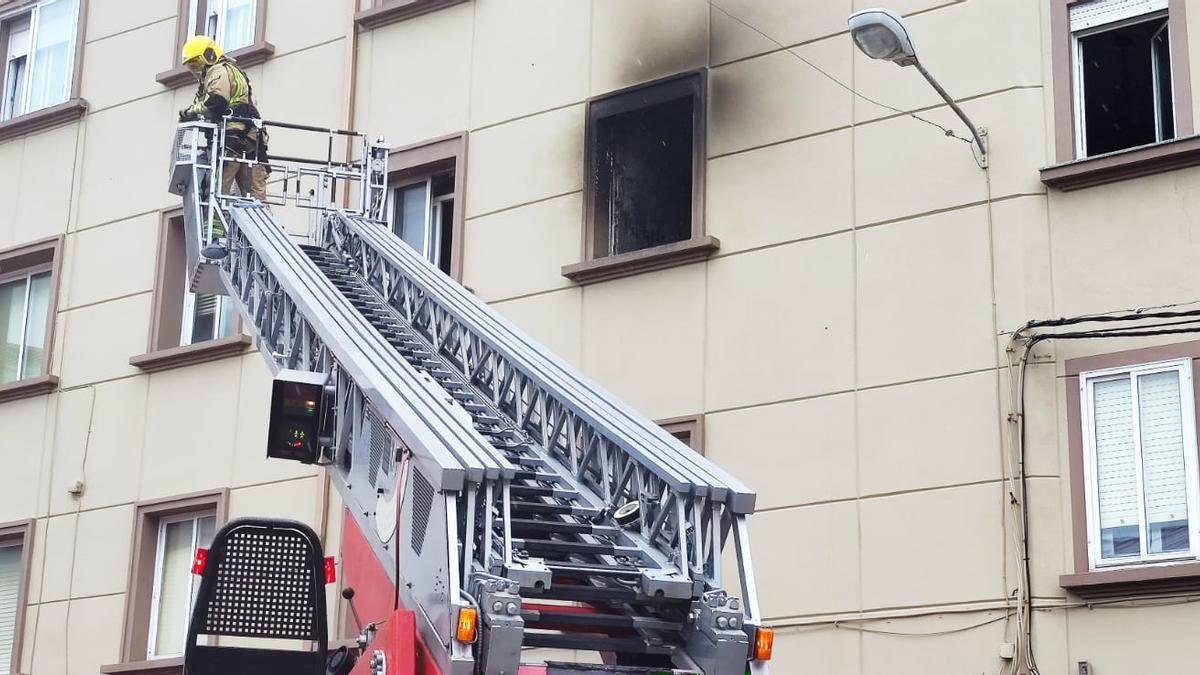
(224, 90)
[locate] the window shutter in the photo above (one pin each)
(1086, 15)
(1116, 467)
(10, 586)
(1163, 469)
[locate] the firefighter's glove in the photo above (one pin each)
(188, 115)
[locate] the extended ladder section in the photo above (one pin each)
(486, 473)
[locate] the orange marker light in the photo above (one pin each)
(468, 619)
(330, 570)
(764, 643)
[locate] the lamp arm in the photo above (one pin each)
(979, 140)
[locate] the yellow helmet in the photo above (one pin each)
(202, 48)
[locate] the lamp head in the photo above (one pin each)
(881, 34)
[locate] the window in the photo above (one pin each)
(24, 307)
(39, 61)
(187, 328)
(174, 584)
(161, 586)
(1123, 86)
(1140, 441)
(423, 216)
(376, 13)
(229, 22)
(688, 430)
(643, 200)
(28, 283)
(426, 184)
(14, 566)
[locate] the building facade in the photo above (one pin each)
(724, 213)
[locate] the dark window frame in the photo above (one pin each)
(19, 533)
(1071, 172)
(253, 54)
(61, 113)
(163, 350)
(698, 246)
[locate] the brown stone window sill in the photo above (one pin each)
(246, 57)
(33, 386)
(189, 355)
(157, 667)
(1147, 579)
(1123, 164)
(646, 260)
(391, 11)
(43, 119)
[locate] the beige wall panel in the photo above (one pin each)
(970, 651)
(180, 456)
(781, 193)
(1044, 415)
(643, 339)
(11, 154)
(525, 160)
(102, 551)
(122, 67)
(1021, 248)
(250, 463)
(776, 97)
(1050, 549)
(929, 434)
(528, 60)
(51, 633)
(790, 453)
(924, 305)
(106, 17)
(111, 261)
(31, 617)
(296, 24)
(787, 23)
(780, 323)
(903, 167)
(68, 417)
(522, 251)
(555, 320)
(24, 425)
(36, 564)
(115, 443)
(97, 341)
(782, 564)
(419, 80)
(950, 43)
(1159, 640)
(57, 553)
(939, 546)
(816, 651)
(635, 41)
(94, 627)
(1016, 123)
(1128, 244)
(47, 167)
(287, 90)
(121, 178)
(296, 499)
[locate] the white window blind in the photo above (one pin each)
(1086, 15)
(10, 586)
(174, 586)
(1116, 460)
(1163, 468)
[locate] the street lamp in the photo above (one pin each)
(880, 34)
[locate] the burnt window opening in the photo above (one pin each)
(1125, 96)
(643, 151)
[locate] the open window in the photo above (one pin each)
(426, 183)
(28, 301)
(239, 26)
(643, 199)
(1124, 96)
(38, 47)
(15, 552)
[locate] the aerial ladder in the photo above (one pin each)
(510, 501)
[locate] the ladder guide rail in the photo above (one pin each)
(483, 471)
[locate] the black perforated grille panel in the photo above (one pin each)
(422, 502)
(264, 587)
